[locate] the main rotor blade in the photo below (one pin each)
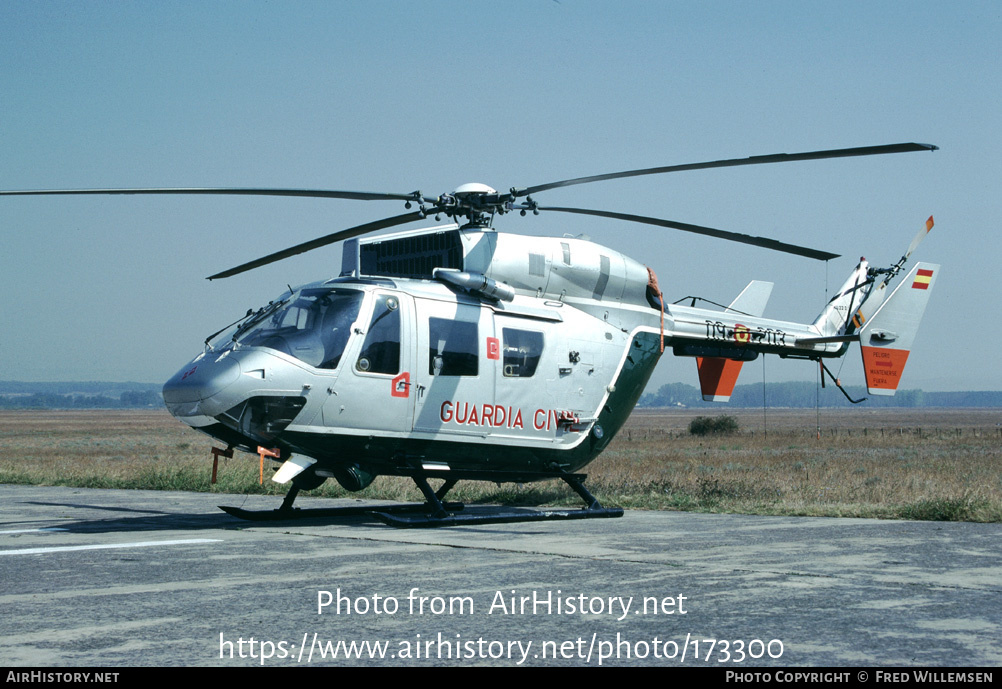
(764, 242)
(322, 241)
(733, 162)
(238, 191)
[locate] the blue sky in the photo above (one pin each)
(397, 96)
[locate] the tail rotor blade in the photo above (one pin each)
(919, 237)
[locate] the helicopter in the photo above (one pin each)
(458, 352)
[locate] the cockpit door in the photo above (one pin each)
(374, 392)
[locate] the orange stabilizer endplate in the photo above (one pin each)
(883, 367)
(717, 377)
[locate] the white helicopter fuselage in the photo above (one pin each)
(469, 386)
(523, 354)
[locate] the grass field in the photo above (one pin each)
(940, 464)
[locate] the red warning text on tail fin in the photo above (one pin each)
(717, 377)
(883, 367)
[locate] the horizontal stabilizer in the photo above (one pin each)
(826, 340)
(717, 377)
(886, 338)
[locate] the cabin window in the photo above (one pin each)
(453, 348)
(381, 351)
(522, 349)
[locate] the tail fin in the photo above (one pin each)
(835, 320)
(886, 338)
(718, 375)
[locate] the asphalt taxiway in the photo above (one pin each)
(125, 578)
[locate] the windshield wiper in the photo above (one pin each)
(255, 317)
(262, 313)
(224, 328)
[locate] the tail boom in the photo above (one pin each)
(722, 340)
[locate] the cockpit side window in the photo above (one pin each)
(335, 325)
(381, 350)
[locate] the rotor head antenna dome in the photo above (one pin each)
(473, 188)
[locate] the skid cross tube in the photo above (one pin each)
(439, 515)
(434, 512)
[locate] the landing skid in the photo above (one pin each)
(433, 512)
(503, 517)
(318, 513)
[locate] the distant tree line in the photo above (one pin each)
(805, 394)
(87, 387)
(130, 399)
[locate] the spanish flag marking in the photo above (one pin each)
(922, 279)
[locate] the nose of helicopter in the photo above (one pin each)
(198, 381)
